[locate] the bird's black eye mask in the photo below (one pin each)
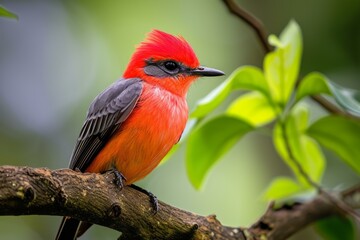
(165, 68)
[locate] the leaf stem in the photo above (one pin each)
(341, 205)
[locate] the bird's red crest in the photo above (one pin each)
(161, 46)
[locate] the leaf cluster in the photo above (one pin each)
(274, 98)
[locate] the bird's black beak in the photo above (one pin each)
(206, 72)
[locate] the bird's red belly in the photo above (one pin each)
(145, 137)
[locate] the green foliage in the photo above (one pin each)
(7, 14)
(209, 142)
(269, 100)
(281, 67)
(273, 98)
(303, 148)
(282, 187)
(336, 227)
(344, 139)
(317, 83)
(244, 78)
(312, 84)
(254, 108)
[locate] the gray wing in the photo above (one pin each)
(106, 113)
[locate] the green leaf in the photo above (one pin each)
(312, 84)
(275, 41)
(349, 99)
(273, 70)
(341, 135)
(246, 78)
(7, 14)
(335, 228)
(281, 67)
(304, 149)
(210, 141)
(316, 83)
(282, 187)
(254, 108)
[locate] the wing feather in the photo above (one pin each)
(106, 113)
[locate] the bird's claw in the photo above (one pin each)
(153, 199)
(119, 178)
(154, 202)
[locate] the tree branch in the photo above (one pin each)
(251, 20)
(94, 198)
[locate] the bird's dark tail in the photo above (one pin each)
(68, 229)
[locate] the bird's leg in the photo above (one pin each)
(119, 178)
(119, 181)
(153, 199)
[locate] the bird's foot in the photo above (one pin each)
(119, 178)
(153, 199)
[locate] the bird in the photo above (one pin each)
(134, 123)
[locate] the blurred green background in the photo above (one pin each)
(60, 54)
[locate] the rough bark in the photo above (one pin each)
(94, 198)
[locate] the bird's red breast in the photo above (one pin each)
(151, 130)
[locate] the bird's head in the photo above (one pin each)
(167, 61)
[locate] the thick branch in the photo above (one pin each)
(94, 198)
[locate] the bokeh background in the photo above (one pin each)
(60, 54)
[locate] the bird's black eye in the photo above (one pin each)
(171, 66)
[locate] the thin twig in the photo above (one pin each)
(341, 205)
(251, 20)
(332, 108)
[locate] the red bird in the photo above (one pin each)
(135, 122)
